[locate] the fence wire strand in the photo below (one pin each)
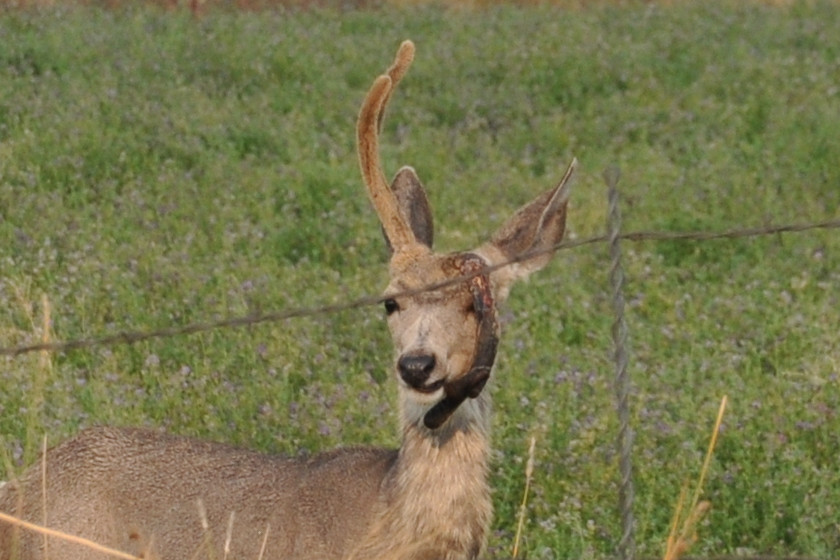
(132, 337)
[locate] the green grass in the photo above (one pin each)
(156, 171)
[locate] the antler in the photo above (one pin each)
(403, 60)
(396, 228)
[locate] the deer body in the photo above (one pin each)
(161, 496)
(116, 487)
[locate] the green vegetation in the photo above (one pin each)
(156, 170)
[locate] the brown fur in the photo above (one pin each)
(147, 493)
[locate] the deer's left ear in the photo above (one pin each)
(534, 228)
(414, 206)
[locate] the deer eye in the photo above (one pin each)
(391, 306)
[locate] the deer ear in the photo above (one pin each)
(534, 228)
(414, 206)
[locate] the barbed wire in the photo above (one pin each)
(133, 337)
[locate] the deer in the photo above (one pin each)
(156, 495)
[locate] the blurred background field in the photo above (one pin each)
(158, 169)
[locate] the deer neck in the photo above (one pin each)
(439, 483)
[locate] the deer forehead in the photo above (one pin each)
(428, 271)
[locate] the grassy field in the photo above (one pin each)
(156, 170)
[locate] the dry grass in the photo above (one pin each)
(47, 532)
(529, 472)
(682, 536)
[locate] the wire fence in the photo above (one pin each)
(626, 545)
(132, 337)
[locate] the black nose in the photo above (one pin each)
(415, 369)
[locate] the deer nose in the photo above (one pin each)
(415, 369)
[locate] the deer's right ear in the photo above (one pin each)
(414, 206)
(529, 236)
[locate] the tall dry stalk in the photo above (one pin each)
(529, 472)
(6, 518)
(680, 540)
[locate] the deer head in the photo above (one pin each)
(446, 338)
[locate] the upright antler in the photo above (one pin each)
(396, 228)
(403, 60)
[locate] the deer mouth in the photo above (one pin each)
(430, 388)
